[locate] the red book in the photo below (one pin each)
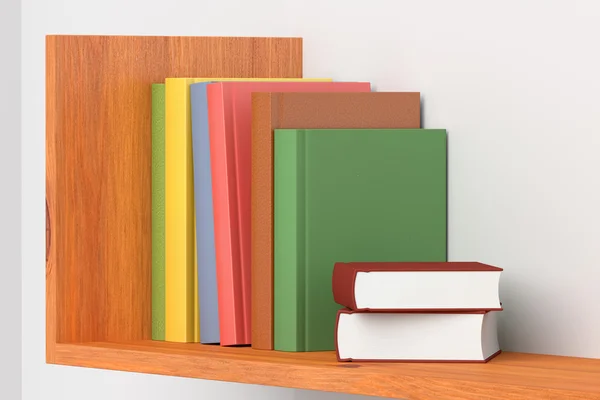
(418, 337)
(417, 286)
(230, 126)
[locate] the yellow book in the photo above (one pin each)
(181, 280)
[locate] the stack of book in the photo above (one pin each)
(417, 311)
(259, 186)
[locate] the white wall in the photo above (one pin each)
(10, 199)
(516, 84)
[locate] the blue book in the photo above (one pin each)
(205, 232)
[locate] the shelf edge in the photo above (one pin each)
(282, 373)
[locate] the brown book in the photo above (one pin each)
(417, 286)
(309, 111)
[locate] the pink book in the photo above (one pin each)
(230, 127)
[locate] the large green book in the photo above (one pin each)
(158, 211)
(343, 195)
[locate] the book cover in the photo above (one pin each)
(277, 110)
(158, 211)
(416, 286)
(182, 313)
(181, 282)
(414, 337)
(205, 241)
(230, 116)
(345, 195)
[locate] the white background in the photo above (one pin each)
(10, 201)
(516, 83)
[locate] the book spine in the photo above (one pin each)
(342, 285)
(158, 212)
(225, 214)
(289, 251)
(191, 204)
(261, 223)
(205, 241)
(180, 267)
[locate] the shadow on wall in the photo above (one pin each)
(315, 395)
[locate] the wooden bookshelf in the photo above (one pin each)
(98, 168)
(508, 376)
(98, 236)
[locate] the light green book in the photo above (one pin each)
(343, 195)
(158, 211)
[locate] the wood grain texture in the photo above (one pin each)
(509, 376)
(51, 285)
(98, 168)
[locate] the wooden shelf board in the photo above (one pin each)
(509, 376)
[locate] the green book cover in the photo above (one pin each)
(345, 195)
(158, 211)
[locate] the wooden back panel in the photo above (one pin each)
(98, 168)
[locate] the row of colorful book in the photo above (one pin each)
(260, 186)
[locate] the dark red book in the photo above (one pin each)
(417, 286)
(416, 337)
